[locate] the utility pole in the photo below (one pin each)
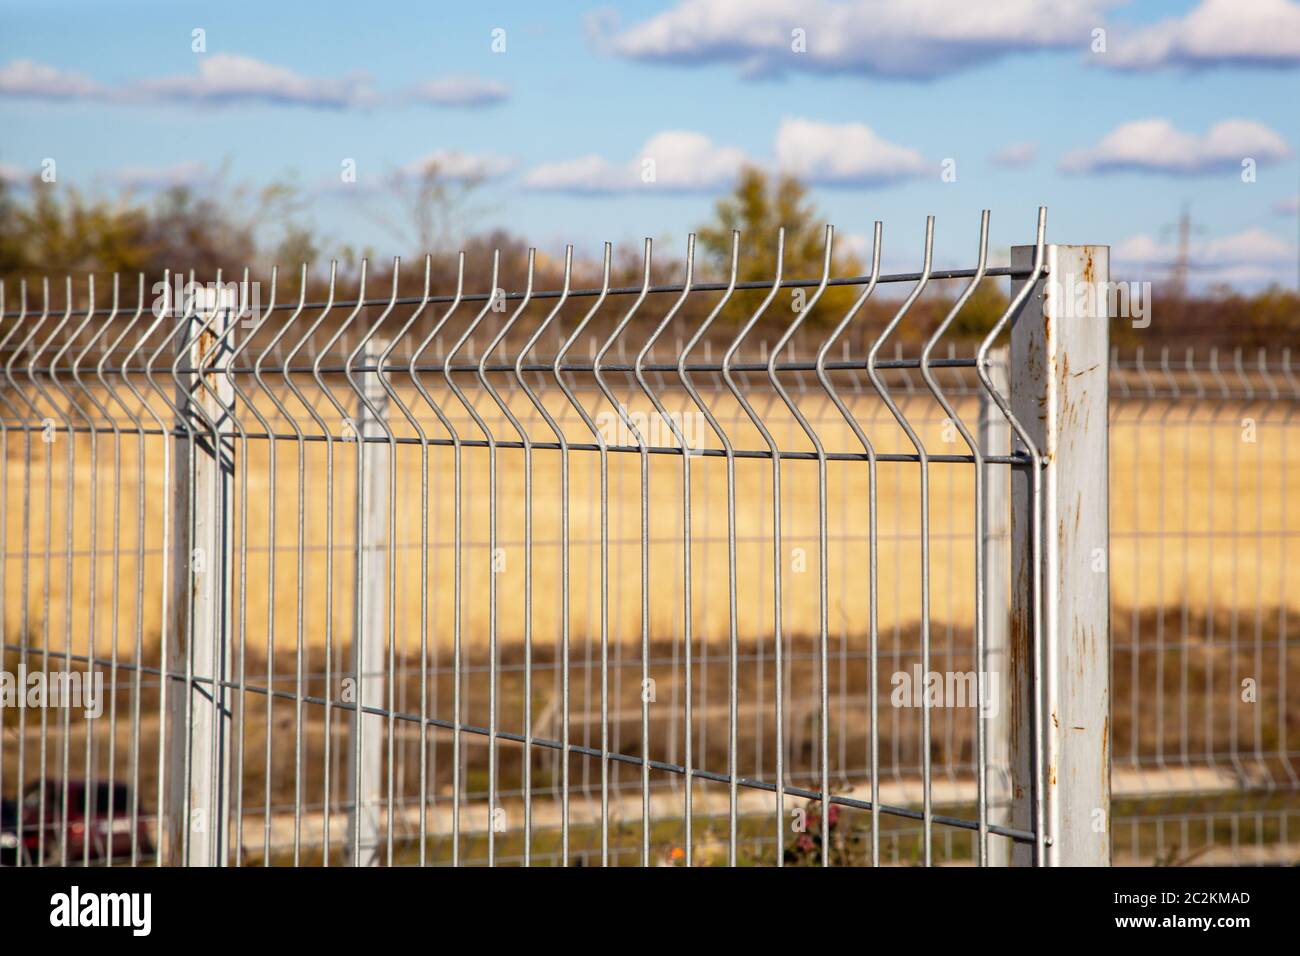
(1182, 260)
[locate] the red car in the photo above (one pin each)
(88, 824)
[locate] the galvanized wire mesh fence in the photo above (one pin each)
(644, 574)
(1203, 544)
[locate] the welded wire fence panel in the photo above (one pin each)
(85, 487)
(1206, 653)
(655, 572)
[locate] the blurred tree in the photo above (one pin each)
(297, 246)
(981, 311)
(187, 231)
(48, 230)
(13, 258)
(427, 207)
(758, 206)
(64, 232)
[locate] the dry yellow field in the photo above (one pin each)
(1200, 514)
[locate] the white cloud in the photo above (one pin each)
(1288, 206)
(14, 175)
(449, 165)
(899, 38)
(687, 161)
(458, 165)
(824, 154)
(848, 154)
(856, 244)
(1252, 245)
(1215, 33)
(163, 177)
(229, 78)
(681, 161)
(1142, 249)
(1155, 145)
(1252, 255)
(460, 91)
(1016, 154)
(24, 78)
(224, 78)
(586, 174)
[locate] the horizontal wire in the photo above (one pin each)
(1015, 460)
(934, 275)
(750, 783)
(571, 367)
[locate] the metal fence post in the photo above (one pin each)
(1059, 392)
(995, 439)
(199, 715)
(368, 647)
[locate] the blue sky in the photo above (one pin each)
(883, 93)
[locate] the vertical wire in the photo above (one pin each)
(138, 644)
(1283, 614)
(492, 549)
(927, 824)
(48, 622)
(69, 484)
(823, 648)
(166, 582)
(456, 546)
(299, 546)
(564, 546)
(775, 454)
(1169, 405)
(4, 562)
(243, 397)
(1036, 533)
(604, 550)
(873, 589)
(26, 550)
(91, 810)
(47, 570)
(644, 457)
(733, 650)
(358, 742)
(66, 731)
(486, 384)
(639, 369)
(423, 438)
(981, 625)
(327, 434)
(358, 641)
